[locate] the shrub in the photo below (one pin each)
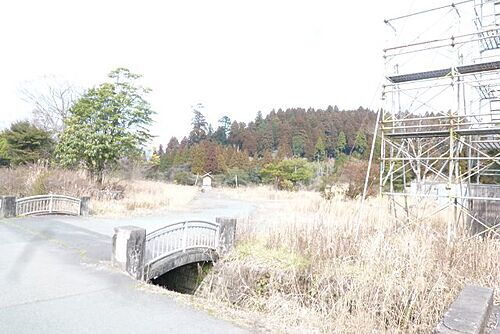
(287, 174)
(184, 178)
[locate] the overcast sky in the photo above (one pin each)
(235, 57)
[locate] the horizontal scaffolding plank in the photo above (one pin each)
(464, 69)
(444, 133)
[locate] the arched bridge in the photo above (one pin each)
(148, 256)
(179, 244)
(49, 204)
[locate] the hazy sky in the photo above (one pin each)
(235, 57)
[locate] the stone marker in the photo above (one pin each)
(84, 206)
(128, 249)
(469, 313)
(7, 206)
(227, 234)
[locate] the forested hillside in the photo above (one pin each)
(102, 132)
(237, 148)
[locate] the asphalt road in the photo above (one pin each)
(55, 277)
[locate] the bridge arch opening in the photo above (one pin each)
(184, 279)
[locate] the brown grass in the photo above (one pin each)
(136, 197)
(38, 180)
(145, 197)
(298, 267)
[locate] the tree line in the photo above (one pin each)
(295, 133)
(108, 125)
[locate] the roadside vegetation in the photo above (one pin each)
(300, 266)
(307, 261)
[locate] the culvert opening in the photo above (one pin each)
(184, 279)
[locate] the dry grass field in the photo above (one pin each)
(300, 267)
(145, 197)
(116, 197)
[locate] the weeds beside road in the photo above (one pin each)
(300, 264)
(298, 267)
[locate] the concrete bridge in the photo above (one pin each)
(50, 204)
(181, 247)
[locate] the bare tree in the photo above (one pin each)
(51, 98)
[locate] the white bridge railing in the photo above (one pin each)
(180, 237)
(48, 204)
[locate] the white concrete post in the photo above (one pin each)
(129, 246)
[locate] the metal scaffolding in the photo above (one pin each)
(440, 121)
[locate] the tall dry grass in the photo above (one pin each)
(114, 198)
(301, 265)
(40, 179)
(145, 197)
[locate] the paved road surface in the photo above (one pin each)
(207, 206)
(55, 278)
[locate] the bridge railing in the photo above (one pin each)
(180, 237)
(48, 204)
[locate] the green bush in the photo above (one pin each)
(287, 174)
(229, 178)
(184, 178)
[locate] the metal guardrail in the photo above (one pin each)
(48, 204)
(180, 237)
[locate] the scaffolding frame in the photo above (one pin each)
(440, 127)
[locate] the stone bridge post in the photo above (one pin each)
(129, 244)
(469, 313)
(84, 206)
(7, 206)
(227, 234)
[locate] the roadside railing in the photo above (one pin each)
(180, 237)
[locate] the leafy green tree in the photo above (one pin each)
(320, 150)
(287, 173)
(25, 143)
(341, 145)
(107, 123)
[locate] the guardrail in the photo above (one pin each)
(48, 204)
(180, 237)
(43, 204)
(136, 252)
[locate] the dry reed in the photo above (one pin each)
(301, 267)
(115, 197)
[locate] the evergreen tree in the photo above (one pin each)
(25, 143)
(341, 144)
(259, 119)
(210, 164)
(360, 144)
(225, 123)
(200, 126)
(173, 144)
(320, 150)
(298, 146)
(198, 159)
